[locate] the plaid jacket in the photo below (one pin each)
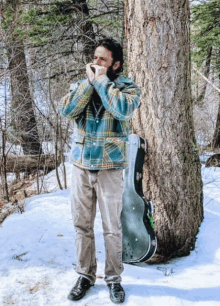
(102, 129)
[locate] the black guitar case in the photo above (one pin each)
(139, 239)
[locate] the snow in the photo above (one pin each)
(37, 257)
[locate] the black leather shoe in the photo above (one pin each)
(117, 294)
(79, 290)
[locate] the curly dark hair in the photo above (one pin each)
(116, 49)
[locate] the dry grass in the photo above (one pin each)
(18, 191)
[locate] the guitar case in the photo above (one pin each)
(139, 239)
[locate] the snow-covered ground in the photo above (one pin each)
(37, 258)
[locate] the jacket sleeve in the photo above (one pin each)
(121, 103)
(77, 99)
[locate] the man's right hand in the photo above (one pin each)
(90, 73)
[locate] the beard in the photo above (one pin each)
(111, 74)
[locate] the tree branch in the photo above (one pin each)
(207, 80)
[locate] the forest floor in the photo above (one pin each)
(18, 190)
(37, 257)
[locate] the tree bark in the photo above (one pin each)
(87, 35)
(3, 166)
(28, 163)
(21, 101)
(159, 62)
(215, 142)
(23, 117)
(206, 74)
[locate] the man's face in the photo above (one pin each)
(103, 57)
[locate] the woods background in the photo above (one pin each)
(173, 50)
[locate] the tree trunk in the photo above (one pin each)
(87, 33)
(215, 143)
(23, 117)
(3, 165)
(21, 103)
(159, 61)
(201, 96)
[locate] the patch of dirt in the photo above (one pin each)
(39, 286)
(36, 288)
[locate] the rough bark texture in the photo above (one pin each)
(21, 100)
(23, 117)
(215, 143)
(201, 96)
(158, 58)
(88, 35)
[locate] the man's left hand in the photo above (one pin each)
(99, 70)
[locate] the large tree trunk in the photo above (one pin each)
(23, 117)
(159, 61)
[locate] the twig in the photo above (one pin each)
(18, 257)
(207, 80)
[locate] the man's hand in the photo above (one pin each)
(94, 71)
(99, 70)
(90, 73)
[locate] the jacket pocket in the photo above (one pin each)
(77, 148)
(114, 149)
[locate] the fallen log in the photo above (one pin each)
(213, 161)
(29, 163)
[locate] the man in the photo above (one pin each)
(101, 106)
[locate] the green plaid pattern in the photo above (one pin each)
(100, 143)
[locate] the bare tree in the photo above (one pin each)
(215, 142)
(200, 95)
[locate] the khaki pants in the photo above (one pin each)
(106, 186)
